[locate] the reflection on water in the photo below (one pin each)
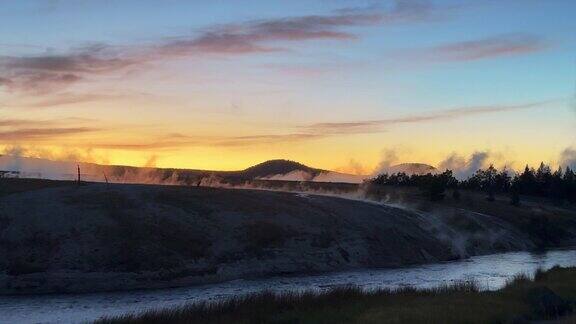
(490, 271)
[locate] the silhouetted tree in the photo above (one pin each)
(456, 194)
(526, 182)
(436, 185)
(515, 192)
(557, 185)
(485, 180)
(570, 184)
(502, 181)
(543, 179)
(556, 188)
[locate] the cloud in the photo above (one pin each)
(177, 141)
(257, 36)
(399, 11)
(154, 146)
(41, 134)
(371, 126)
(266, 139)
(13, 123)
(253, 36)
(39, 82)
(49, 73)
(24, 122)
(65, 98)
(486, 48)
(16, 130)
(316, 131)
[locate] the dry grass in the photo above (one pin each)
(549, 295)
(15, 185)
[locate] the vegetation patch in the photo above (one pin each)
(551, 295)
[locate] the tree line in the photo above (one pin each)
(558, 185)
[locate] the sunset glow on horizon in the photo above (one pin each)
(339, 85)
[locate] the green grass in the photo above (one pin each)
(549, 295)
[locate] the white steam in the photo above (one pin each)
(568, 158)
(464, 168)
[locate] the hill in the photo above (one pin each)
(269, 170)
(279, 167)
(412, 168)
(58, 236)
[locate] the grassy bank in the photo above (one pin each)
(549, 295)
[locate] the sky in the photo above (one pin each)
(335, 84)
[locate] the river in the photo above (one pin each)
(490, 271)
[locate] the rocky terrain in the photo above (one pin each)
(64, 237)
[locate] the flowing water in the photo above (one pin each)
(490, 271)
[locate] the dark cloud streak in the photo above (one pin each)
(42, 134)
(49, 73)
(473, 50)
(370, 126)
(315, 131)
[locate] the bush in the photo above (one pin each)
(544, 303)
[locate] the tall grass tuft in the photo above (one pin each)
(523, 298)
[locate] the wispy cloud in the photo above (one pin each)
(24, 123)
(50, 73)
(182, 141)
(38, 130)
(311, 132)
(370, 126)
(480, 49)
(266, 139)
(42, 134)
(254, 37)
(63, 98)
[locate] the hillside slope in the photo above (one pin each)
(68, 238)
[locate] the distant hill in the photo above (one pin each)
(279, 167)
(282, 170)
(412, 168)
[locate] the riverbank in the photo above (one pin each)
(491, 271)
(547, 295)
(59, 237)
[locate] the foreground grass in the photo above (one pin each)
(549, 295)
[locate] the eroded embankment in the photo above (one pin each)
(110, 237)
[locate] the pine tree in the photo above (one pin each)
(557, 189)
(543, 179)
(570, 184)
